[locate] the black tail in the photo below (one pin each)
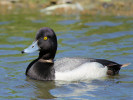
(113, 67)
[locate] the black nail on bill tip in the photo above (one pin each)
(22, 51)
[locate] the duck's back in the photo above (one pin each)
(68, 64)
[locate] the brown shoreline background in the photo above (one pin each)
(92, 7)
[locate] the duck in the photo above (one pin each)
(45, 68)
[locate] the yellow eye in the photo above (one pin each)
(45, 38)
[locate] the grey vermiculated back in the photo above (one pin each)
(67, 64)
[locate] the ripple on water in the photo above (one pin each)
(9, 52)
(68, 22)
(16, 38)
(28, 31)
(14, 59)
(3, 34)
(38, 21)
(104, 23)
(6, 22)
(11, 46)
(82, 40)
(130, 21)
(77, 32)
(115, 34)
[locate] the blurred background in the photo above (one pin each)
(84, 28)
(102, 7)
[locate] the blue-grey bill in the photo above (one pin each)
(32, 48)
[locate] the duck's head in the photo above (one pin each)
(45, 42)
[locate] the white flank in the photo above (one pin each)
(86, 71)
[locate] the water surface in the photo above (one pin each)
(107, 37)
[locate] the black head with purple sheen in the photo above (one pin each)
(45, 42)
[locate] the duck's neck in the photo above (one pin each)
(46, 56)
(42, 68)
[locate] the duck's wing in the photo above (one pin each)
(67, 64)
(105, 62)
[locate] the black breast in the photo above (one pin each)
(41, 71)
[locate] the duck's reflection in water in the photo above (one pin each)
(42, 88)
(61, 89)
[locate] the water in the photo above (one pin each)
(107, 37)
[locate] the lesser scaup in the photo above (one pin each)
(72, 69)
